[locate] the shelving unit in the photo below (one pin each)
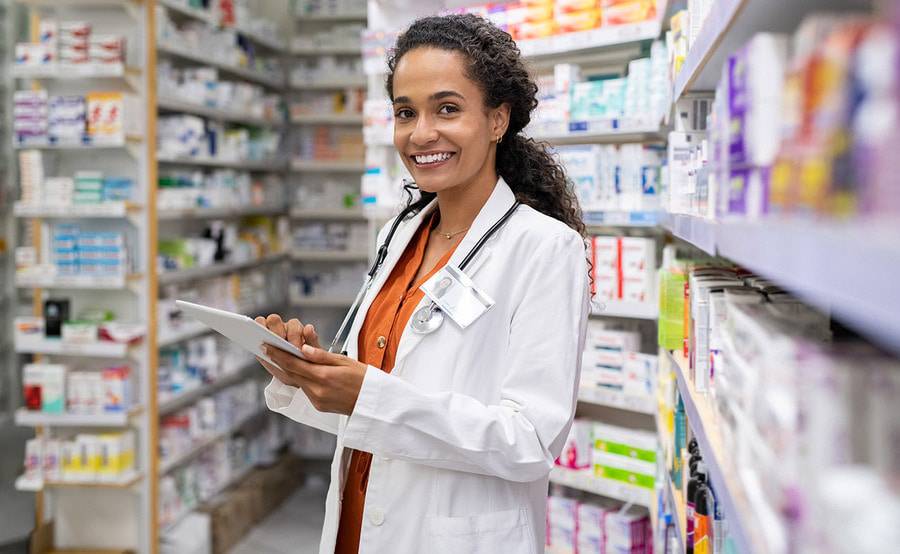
(127, 482)
(181, 459)
(215, 270)
(585, 480)
(628, 310)
(27, 418)
(273, 166)
(222, 114)
(189, 396)
(616, 399)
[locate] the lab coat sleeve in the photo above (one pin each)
(519, 438)
(292, 402)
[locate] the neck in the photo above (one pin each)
(460, 205)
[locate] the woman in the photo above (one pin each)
(445, 440)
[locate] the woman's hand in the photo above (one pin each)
(330, 381)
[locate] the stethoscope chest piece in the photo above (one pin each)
(427, 319)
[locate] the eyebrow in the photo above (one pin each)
(436, 96)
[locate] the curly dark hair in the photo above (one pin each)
(495, 64)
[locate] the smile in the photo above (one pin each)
(432, 159)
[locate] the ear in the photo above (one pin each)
(499, 121)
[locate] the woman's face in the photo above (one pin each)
(442, 129)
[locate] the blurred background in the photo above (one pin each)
(737, 167)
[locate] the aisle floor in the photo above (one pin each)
(294, 528)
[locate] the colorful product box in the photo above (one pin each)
(630, 443)
(623, 469)
(576, 453)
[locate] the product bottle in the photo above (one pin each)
(719, 526)
(698, 478)
(678, 447)
(702, 523)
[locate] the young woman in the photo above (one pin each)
(447, 431)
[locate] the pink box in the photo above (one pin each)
(576, 453)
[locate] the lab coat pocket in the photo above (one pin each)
(489, 533)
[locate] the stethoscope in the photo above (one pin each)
(426, 319)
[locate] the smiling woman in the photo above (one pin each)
(458, 385)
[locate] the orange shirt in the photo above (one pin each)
(378, 341)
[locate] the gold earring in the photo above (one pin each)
(499, 139)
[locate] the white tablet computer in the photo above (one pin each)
(239, 328)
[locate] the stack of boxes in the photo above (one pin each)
(71, 43)
(612, 361)
(88, 253)
(56, 389)
(623, 177)
(624, 269)
(96, 118)
(87, 187)
(624, 455)
(88, 458)
(596, 527)
(30, 111)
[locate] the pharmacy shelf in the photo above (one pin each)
(613, 135)
(615, 399)
(328, 119)
(327, 50)
(316, 166)
(185, 54)
(169, 104)
(188, 397)
(333, 18)
(73, 211)
(630, 310)
(182, 9)
(848, 269)
(167, 466)
(274, 165)
(329, 84)
(66, 71)
(188, 331)
(215, 270)
(328, 214)
(270, 43)
(585, 480)
(729, 25)
(208, 213)
(743, 523)
(676, 500)
(76, 282)
(328, 256)
(41, 345)
(320, 302)
(29, 418)
(239, 476)
(122, 4)
(127, 481)
(582, 41)
(86, 143)
(699, 231)
(595, 218)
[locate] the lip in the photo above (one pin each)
(433, 165)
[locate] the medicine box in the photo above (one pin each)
(624, 469)
(576, 453)
(630, 443)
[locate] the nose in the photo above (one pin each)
(425, 131)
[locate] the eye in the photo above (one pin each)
(448, 109)
(404, 113)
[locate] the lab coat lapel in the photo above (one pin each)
(498, 203)
(398, 245)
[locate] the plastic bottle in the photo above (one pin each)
(698, 479)
(678, 447)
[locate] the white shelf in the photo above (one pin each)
(328, 119)
(615, 399)
(603, 37)
(65, 71)
(273, 44)
(274, 165)
(188, 331)
(122, 4)
(182, 52)
(87, 143)
(333, 18)
(594, 218)
(729, 25)
(206, 16)
(36, 485)
(188, 397)
(207, 213)
(224, 114)
(328, 214)
(327, 50)
(313, 166)
(743, 523)
(329, 84)
(215, 270)
(167, 466)
(328, 256)
(72, 211)
(28, 418)
(320, 302)
(615, 134)
(584, 480)
(41, 345)
(631, 310)
(76, 282)
(699, 231)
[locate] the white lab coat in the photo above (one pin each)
(466, 428)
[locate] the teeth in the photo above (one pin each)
(432, 158)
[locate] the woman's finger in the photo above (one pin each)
(295, 333)
(294, 365)
(319, 356)
(310, 336)
(276, 325)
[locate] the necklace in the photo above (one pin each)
(449, 236)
